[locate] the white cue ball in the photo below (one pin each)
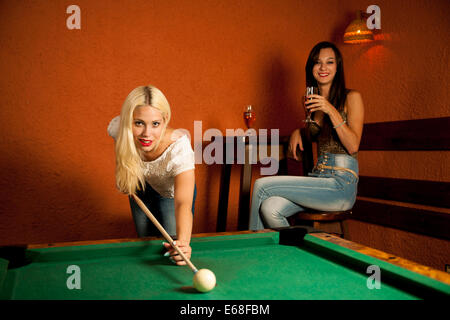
(204, 280)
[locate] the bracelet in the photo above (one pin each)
(340, 124)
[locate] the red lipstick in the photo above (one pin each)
(145, 143)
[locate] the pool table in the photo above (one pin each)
(286, 264)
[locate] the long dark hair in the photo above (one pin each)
(338, 91)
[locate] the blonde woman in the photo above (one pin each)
(156, 163)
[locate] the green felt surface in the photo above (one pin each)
(252, 266)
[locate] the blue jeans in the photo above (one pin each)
(162, 208)
(277, 197)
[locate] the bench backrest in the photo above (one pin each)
(410, 135)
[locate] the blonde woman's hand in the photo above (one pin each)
(174, 256)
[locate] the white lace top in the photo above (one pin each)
(161, 172)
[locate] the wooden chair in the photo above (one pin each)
(327, 221)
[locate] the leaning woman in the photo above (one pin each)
(156, 163)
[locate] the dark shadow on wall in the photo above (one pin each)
(281, 109)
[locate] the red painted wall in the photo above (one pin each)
(60, 88)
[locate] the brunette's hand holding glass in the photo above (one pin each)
(307, 101)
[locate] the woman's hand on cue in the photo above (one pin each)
(174, 256)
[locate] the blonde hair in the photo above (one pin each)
(129, 165)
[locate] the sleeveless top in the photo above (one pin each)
(327, 139)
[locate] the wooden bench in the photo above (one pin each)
(374, 193)
(418, 203)
(399, 203)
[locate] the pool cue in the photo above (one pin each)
(164, 233)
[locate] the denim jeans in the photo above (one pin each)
(162, 208)
(277, 197)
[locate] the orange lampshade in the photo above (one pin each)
(357, 31)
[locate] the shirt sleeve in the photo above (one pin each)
(182, 157)
(113, 127)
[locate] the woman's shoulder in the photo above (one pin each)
(113, 127)
(354, 102)
(177, 140)
(180, 154)
(352, 94)
(174, 136)
(353, 97)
